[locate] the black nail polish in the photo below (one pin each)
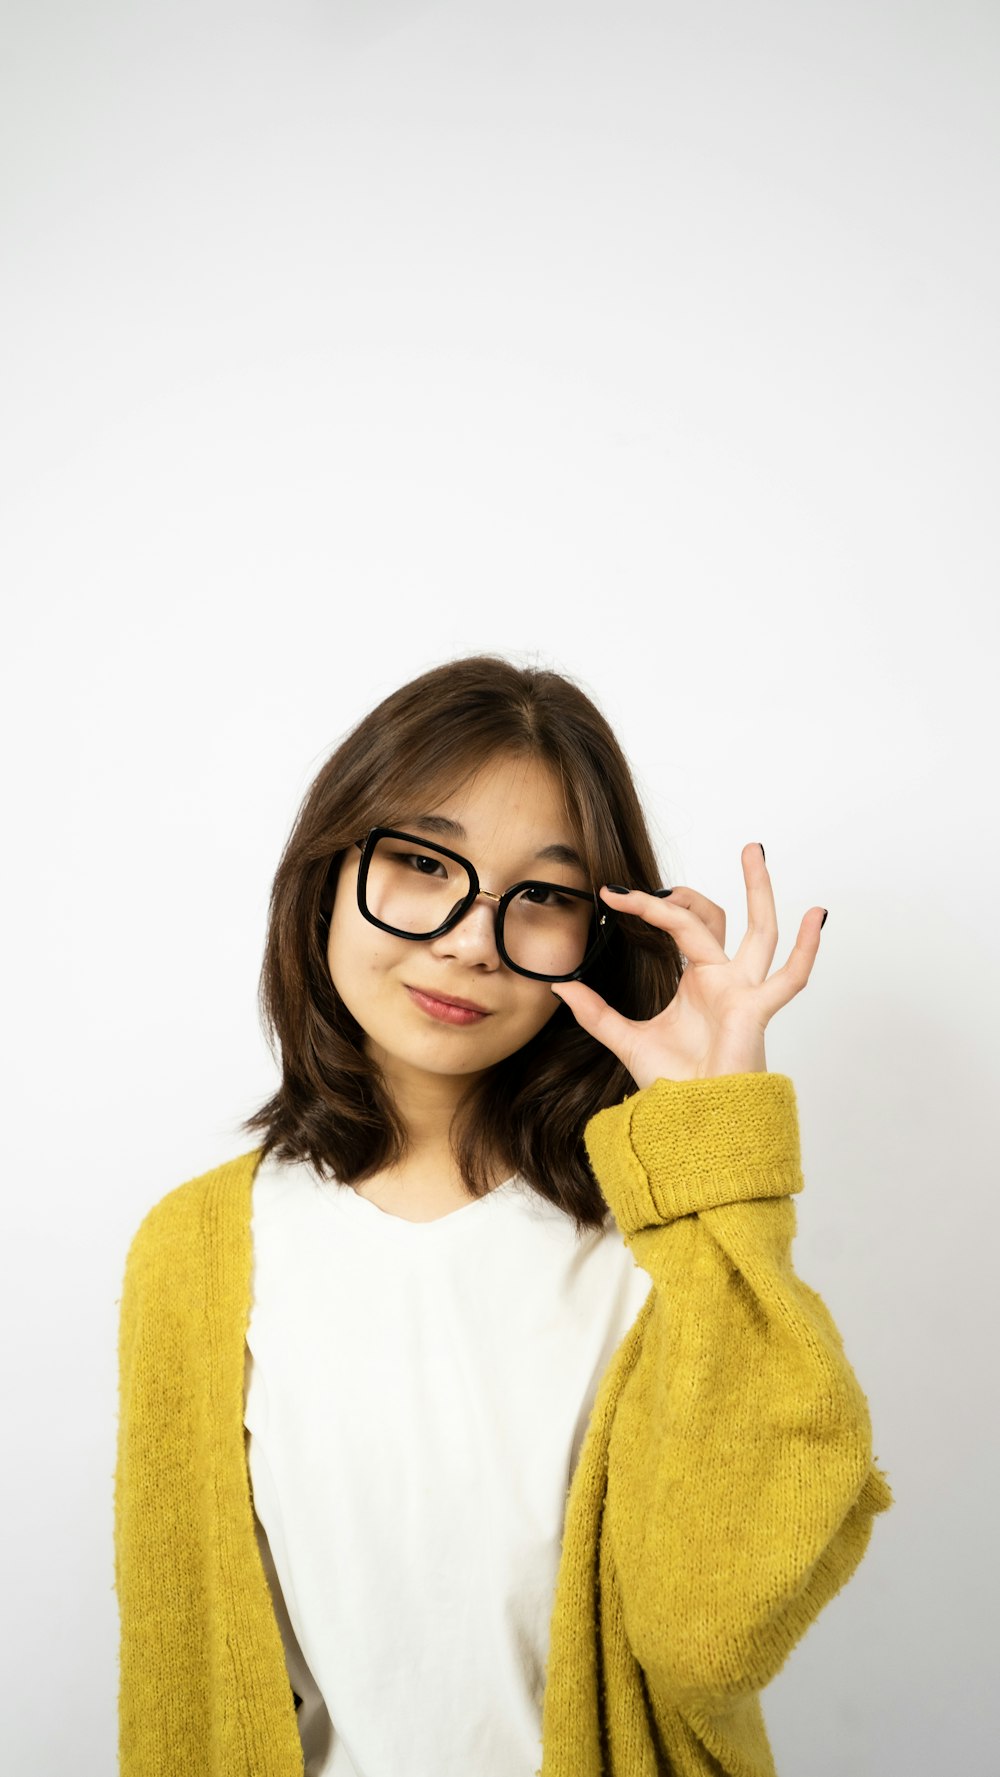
(822, 922)
(762, 852)
(617, 888)
(662, 893)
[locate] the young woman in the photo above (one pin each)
(476, 1424)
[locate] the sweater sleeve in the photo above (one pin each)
(163, 1698)
(202, 1684)
(741, 1486)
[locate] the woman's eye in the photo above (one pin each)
(545, 897)
(419, 860)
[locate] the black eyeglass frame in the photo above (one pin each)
(604, 917)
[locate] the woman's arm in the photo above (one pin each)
(741, 1484)
(164, 1703)
(203, 1683)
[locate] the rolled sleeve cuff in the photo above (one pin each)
(678, 1147)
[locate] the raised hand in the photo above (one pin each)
(715, 1022)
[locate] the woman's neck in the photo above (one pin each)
(427, 1181)
(426, 1104)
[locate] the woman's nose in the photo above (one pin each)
(474, 936)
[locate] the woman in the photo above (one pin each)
(476, 1420)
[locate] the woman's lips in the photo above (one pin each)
(442, 1010)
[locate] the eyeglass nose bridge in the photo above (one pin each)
(458, 916)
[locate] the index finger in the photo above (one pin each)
(697, 934)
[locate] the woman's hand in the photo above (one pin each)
(715, 1022)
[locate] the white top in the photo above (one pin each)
(417, 1396)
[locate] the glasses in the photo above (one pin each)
(416, 890)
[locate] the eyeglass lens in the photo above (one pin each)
(414, 891)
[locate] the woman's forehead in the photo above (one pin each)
(517, 804)
(501, 792)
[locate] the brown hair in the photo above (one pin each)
(333, 1107)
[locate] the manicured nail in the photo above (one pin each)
(617, 888)
(762, 852)
(662, 893)
(822, 922)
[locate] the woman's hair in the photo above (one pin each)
(333, 1107)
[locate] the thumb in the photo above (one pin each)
(595, 1016)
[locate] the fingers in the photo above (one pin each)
(698, 926)
(699, 929)
(791, 978)
(756, 952)
(597, 1017)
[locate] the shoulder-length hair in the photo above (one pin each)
(333, 1107)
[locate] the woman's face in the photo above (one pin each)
(504, 817)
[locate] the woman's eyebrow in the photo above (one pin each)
(449, 829)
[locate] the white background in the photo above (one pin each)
(653, 342)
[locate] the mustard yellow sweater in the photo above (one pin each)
(725, 1489)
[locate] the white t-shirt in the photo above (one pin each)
(416, 1400)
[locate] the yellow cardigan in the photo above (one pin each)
(725, 1489)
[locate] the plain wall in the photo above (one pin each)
(652, 342)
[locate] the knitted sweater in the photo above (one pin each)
(725, 1488)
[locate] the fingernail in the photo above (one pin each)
(822, 922)
(662, 893)
(762, 852)
(617, 888)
